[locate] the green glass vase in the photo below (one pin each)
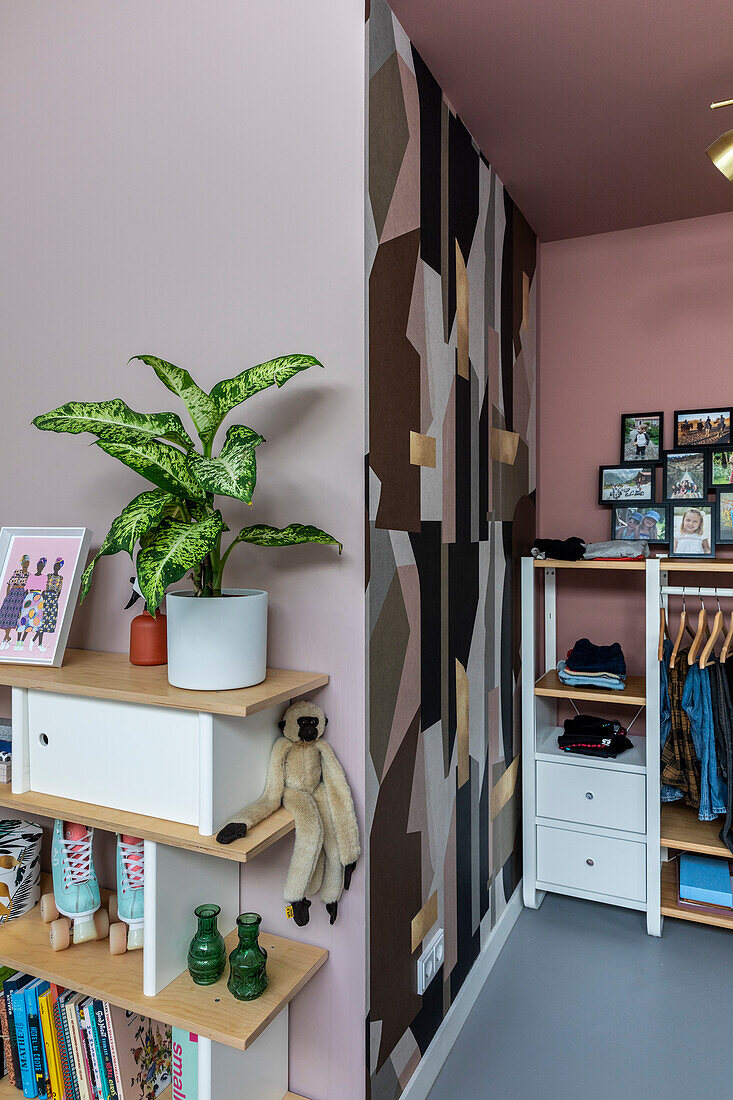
(207, 953)
(247, 962)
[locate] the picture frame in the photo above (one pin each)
(683, 543)
(40, 578)
(685, 474)
(724, 515)
(652, 527)
(651, 425)
(635, 484)
(697, 427)
(720, 467)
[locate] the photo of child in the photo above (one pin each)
(721, 471)
(631, 524)
(684, 475)
(725, 515)
(641, 437)
(692, 531)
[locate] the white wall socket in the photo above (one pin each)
(431, 960)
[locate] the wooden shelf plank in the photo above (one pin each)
(682, 830)
(680, 565)
(210, 1011)
(111, 676)
(670, 908)
(258, 839)
(294, 1096)
(8, 1091)
(673, 565)
(633, 694)
(553, 563)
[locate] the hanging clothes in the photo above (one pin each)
(668, 793)
(723, 717)
(680, 763)
(697, 703)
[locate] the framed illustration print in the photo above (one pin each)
(691, 531)
(636, 522)
(642, 437)
(684, 475)
(702, 427)
(721, 467)
(39, 587)
(724, 515)
(620, 483)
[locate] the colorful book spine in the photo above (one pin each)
(38, 1055)
(9, 988)
(68, 1068)
(113, 1047)
(51, 1046)
(100, 1022)
(89, 1051)
(27, 1076)
(184, 1065)
(98, 1058)
(5, 1054)
(72, 1020)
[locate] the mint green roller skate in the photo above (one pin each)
(75, 901)
(130, 896)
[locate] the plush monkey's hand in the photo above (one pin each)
(348, 872)
(235, 830)
(301, 916)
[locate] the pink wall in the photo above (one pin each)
(188, 181)
(638, 320)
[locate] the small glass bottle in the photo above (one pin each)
(248, 974)
(207, 953)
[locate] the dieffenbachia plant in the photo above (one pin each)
(176, 524)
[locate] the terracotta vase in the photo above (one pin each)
(149, 639)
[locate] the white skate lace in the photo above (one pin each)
(133, 859)
(78, 859)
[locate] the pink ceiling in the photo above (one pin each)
(594, 112)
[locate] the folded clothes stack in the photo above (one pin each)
(591, 665)
(587, 735)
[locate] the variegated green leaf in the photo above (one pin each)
(140, 516)
(234, 472)
(165, 466)
(168, 552)
(200, 405)
(263, 535)
(232, 391)
(97, 416)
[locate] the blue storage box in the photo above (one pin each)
(706, 879)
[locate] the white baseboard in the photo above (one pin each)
(432, 1061)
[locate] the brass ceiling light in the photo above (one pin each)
(721, 150)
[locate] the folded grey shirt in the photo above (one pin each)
(617, 548)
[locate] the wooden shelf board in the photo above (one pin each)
(294, 1096)
(633, 760)
(672, 565)
(96, 675)
(7, 1091)
(553, 563)
(633, 694)
(210, 1011)
(272, 829)
(670, 908)
(680, 565)
(682, 830)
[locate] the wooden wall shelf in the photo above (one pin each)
(673, 565)
(551, 685)
(96, 675)
(670, 907)
(209, 1011)
(683, 831)
(258, 839)
(9, 1092)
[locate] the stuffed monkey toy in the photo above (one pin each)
(306, 778)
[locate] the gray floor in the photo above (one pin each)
(582, 1003)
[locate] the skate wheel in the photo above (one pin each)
(85, 930)
(112, 909)
(135, 936)
(60, 934)
(101, 923)
(49, 910)
(117, 938)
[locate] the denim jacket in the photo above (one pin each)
(697, 704)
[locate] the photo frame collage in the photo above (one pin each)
(699, 464)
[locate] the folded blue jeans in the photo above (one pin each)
(617, 683)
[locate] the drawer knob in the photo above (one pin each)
(589, 795)
(589, 862)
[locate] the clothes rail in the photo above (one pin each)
(668, 590)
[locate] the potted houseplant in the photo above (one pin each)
(217, 637)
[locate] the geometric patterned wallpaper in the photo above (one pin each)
(451, 506)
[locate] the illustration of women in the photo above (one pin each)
(15, 594)
(52, 591)
(31, 613)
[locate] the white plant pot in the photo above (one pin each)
(218, 643)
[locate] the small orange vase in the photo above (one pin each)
(149, 639)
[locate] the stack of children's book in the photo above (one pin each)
(62, 1045)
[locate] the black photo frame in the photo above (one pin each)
(620, 529)
(724, 466)
(697, 457)
(676, 513)
(629, 421)
(724, 512)
(689, 428)
(641, 472)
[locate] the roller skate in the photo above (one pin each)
(129, 901)
(75, 902)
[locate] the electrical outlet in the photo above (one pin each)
(430, 961)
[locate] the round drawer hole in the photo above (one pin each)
(589, 795)
(590, 862)
(43, 738)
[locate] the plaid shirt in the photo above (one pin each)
(680, 765)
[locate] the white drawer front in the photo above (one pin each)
(592, 796)
(586, 861)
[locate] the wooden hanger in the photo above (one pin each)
(728, 643)
(680, 633)
(718, 624)
(663, 632)
(702, 622)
